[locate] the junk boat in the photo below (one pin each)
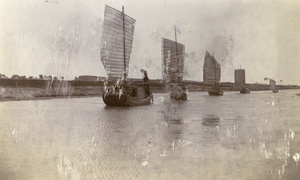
(273, 86)
(244, 90)
(173, 67)
(212, 75)
(116, 45)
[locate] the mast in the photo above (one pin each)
(176, 54)
(124, 45)
(113, 56)
(214, 69)
(215, 78)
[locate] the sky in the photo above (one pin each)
(62, 37)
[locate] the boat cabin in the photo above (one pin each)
(138, 92)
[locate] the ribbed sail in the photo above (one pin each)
(112, 52)
(239, 77)
(272, 83)
(172, 62)
(211, 70)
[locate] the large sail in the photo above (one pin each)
(112, 43)
(211, 70)
(239, 77)
(172, 61)
(272, 83)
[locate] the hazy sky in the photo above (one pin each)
(63, 38)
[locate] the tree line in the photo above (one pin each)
(40, 77)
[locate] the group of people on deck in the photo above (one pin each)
(118, 86)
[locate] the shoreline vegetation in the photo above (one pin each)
(16, 90)
(32, 93)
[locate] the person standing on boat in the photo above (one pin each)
(121, 85)
(106, 89)
(118, 85)
(146, 81)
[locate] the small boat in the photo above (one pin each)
(275, 90)
(215, 91)
(244, 90)
(173, 67)
(179, 92)
(273, 86)
(116, 45)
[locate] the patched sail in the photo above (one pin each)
(172, 61)
(112, 43)
(211, 70)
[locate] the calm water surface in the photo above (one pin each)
(235, 136)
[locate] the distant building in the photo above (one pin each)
(90, 78)
(239, 76)
(211, 70)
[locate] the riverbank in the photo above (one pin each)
(35, 93)
(31, 93)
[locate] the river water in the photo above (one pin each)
(235, 136)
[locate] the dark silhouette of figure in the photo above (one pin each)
(146, 81)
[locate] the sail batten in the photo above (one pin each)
(272, 84)
(111, 10)
(114, 22)
(116, 33)
(211, 70)
(112, 43)
(172, 61)
(116, 42)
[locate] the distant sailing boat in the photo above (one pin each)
(116, 45)
(244, 90)
(273, 85)
(240, 80)
(173, 66)
(212, 74)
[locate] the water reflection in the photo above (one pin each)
(174, 129)
(173, 118)
(84, 139)
(211, 120)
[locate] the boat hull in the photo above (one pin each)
(131, 96)
(215, 93)
(244, 91)
(114, 99)
(125, 100)
(178, 92)
(134, 101)
(179, 96)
